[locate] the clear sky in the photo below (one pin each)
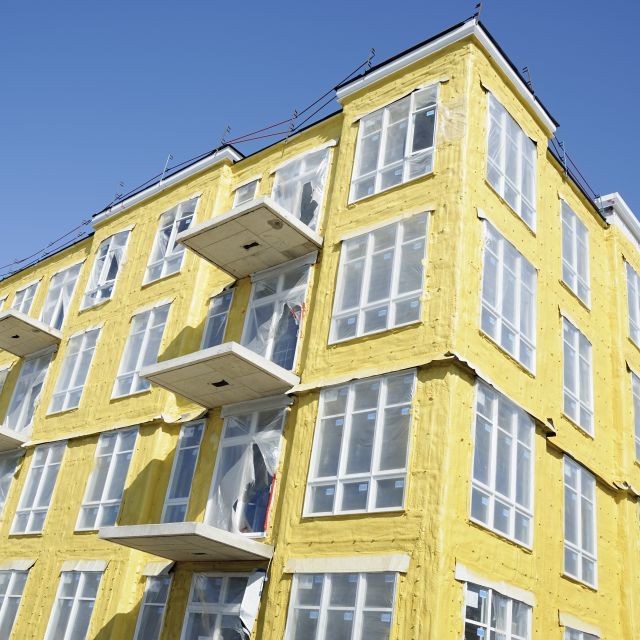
(97, 93)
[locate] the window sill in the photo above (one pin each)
(146, 285)
(510, 356)
(349, 514)
(500, 536)
(94, 306)
(582, 430)
(130, 395)
(582, 583)
(396, 328)
(18, 536)
(567, 288)
(85, 531)
(351, 203)
(513, 211)
(61, 412)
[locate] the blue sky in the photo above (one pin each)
(94, 94)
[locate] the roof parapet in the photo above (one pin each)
(617, 212)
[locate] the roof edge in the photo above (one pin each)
(617, 212)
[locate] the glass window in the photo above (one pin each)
(502, 485)
(395, 144)
(575, 254)
(216, 322)
(105, 269)
(511, 162)
(11, 588)
(74, 371)
(246, 464)
(580, 549)
(578, 384)
(490, 615)
(4, 372)
(104, 490)
(38, 488)
(184, 466)
(26, 394)
(381, 279)
(141, 349)
(8, 465)
(633, 295)
(153, 607)
(167, 255)
(73, 606)
(245, 193)
(635, 387)
(508, 298)
(360, 449)
(573, 634)
(298, 186)
(24, 298)
(59, 295)
(327, 606)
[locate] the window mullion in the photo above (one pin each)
(376, 445)
(324, 605)
(384, 126)
(344, 449)
(408, 142)
(517, 295)
(359, 608)
(73, 613)
(366, 284)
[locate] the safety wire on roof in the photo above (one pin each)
(573, 171)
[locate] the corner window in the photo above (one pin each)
(245, 193)
(11, 589)
(511, 162)
(360, 449)
(152, 610)
(380, 280)
(167, 255)
(395, 144)
(59, 295)
(24, 298)
(216, 322)
(578, 381)
(575, 254)
(633, 299)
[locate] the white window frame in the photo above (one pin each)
(518, 419)
(140, 632)
(35, 486)
(581, 494)
(373, 476)
(633, 298)
(575, 270)
(575, 634)
(635, 391)
(23, 298)
(408, 155)
(12, 594)
(55, 296)
(389, 303)
(103, 502)
(9, 461)
(583, 404)
(239, 198)
(212, 313)
(177, 460)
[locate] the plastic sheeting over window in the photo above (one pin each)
(58, 299)
(299, 186)
(152, 609)
(217, 317)
(245, 469)
(8, 465)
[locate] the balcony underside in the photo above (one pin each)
(22, 335)
(10, 439)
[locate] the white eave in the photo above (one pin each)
(469, 28)
(617, 212)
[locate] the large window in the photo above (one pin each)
(490, 615)
(140, 350)
(105, 270)
(75, 600)
(502, 485)
(327, 606)
(395, 144)
(575, 254)
(184, 466)
(217, 317)
(633, 296)
(11, 588)
(38, 488)
(578, 383)
(299, 186)
(24, 298)
(214, 607)
(275, 313)
(246, 463)
(26, 394)
(153, 607)
(580, 551)
(635, 387)
(380, 279)
(508, 298)
(511, 162)
(103, 495)
(59, 295)
(360, 450)
(166, 256)
(8, 465)
(75, 368)
(573, 634)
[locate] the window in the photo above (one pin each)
(299, 186)
(166, 255)
(274, 314)
(11, 588)
(575, 254)
(8, 465)
(214, 607)
(511, 162)
(502, 486)
(217, 317)
(4, 372)
(74, 605)
(579, 523)
(245, 193)
(58, 299)
(140, 350)
(578, 386)
(38, 488)
(573, 634)
(360, 450)
(152, 610)
(380, 281)
(326, 606)
(184, 466)
(102, 497)
(508, 298)
(105, 269)
(75, 368)
(633, 295)
(24, 298)
(489, 614)
(395, 144)
(26, 394)
(635, 387)
(246, 464)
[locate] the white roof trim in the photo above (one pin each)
(568, 620)
(397, 562)
(621, 216)
(469, 28)
(463, 574)
(159, 187)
